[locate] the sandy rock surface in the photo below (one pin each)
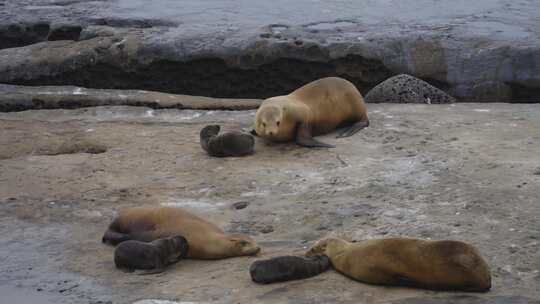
(468, 172)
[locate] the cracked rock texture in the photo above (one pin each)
(476, 51)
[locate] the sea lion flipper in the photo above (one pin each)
(151, 271)
(304, 138)
(114, 238)
(353, 129)
(253, 132)
(127, 269)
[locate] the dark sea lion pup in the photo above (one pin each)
(226, 144)
(438, 265)
(287, 268)
(153, 256)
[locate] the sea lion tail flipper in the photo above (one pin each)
(126, 269)
(353, 129)
(114, 238)
(304, 138)
(151, 271)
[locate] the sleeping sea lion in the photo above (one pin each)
(206, 240)
(439, 265)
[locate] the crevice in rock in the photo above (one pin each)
(524, 94)
(74, 147)
(212, 77)
(131, 23)
(22, 34)
(65, 32)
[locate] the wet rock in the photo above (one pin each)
(90, 32)
(407, 89)
(240, 205)
(492, 60)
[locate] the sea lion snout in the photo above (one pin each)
(254, 251)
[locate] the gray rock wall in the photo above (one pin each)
(482, 51)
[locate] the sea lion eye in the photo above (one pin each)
(264, 125)
(277, 123)
(243, 243)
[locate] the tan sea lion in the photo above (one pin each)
(206, 240)
(153, 256)
(439, 265)
(316, 108)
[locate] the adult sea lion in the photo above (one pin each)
(316, 108)
(439, 265)
(206, 240)
(286, 268)
(153, 256)
(227, 143)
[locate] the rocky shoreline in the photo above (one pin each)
(485, 52)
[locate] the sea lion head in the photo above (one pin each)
(209, 131)
(179, 246)
(320, 247)
(244, 245)
(269, 119)
(206, 134)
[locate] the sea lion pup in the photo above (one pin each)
(287, 268)
(316, 108)
(439, 265)
(225, 144)
(153, 256)
(206, 240)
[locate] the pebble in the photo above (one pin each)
(513, 248)
(240, 205)
(266, 229)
